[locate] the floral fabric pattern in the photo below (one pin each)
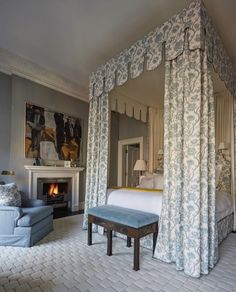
(97, 154)
(225, 226)
(170, 36)
(131, 61)
(9, 195)
(187, 233)
(216, 52)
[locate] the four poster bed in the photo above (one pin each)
(191, 209)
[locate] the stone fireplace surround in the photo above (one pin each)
(37, 172)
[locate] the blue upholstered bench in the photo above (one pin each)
(133, 223)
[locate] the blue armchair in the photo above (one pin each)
(26, 225)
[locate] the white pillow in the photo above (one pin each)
(158, 181)
(146, 183)
(148, 174)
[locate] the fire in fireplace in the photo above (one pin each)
(55, 191)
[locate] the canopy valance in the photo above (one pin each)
(124, 105)
(167, 40)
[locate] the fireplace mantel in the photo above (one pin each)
(36, 172)
(53, 168)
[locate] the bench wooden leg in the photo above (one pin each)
(136, 254)
(109, 242)
(154, 242)
(128, 241)
(89, 233)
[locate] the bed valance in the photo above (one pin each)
(167, 40)
(125, 105)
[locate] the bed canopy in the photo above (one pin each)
(189, 46)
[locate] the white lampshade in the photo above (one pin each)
(140, 165)
(160, 152)
(222, 146)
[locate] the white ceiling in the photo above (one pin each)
(73, 37)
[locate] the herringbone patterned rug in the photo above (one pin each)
(63, 262)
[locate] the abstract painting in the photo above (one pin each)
(51, 135)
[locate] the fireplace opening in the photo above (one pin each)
(55, 192)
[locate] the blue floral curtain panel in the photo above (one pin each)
(97, 154)
(187, 233)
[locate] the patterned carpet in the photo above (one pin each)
(63, 262)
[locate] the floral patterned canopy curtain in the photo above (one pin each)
(187, 233)
(187, 227)
(97, 154)
(234, 160)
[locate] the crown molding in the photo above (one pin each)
(13, 64)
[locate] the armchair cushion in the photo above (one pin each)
(9, 195)
(34, 215)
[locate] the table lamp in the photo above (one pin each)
(140, 165)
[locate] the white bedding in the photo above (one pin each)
(151, 201)
(147, 201)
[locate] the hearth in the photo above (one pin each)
(55, 192)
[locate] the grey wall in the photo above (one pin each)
(5, 120)
(123, 127)
(131, 128)
(23, 91)
(113, 164)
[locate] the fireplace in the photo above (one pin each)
(71, 175)
(55, 191)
